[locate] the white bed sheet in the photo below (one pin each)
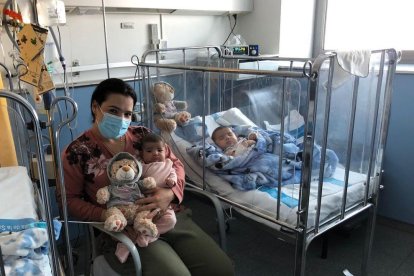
(18, 193)
(266, 204)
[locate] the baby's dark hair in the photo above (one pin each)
(151, 138)
(217, 129)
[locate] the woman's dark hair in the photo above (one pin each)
(111, 86)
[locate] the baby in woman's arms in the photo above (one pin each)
(225, 138)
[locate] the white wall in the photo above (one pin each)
(83, 39)
(277, 26)
(262, 25)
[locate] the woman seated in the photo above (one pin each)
(185, 250)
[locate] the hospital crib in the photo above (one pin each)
(337, 121)
(28, 232)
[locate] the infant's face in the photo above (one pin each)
(153, 152)
(225, 138)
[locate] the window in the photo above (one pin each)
(366, 24)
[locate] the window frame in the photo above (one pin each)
(320, 15)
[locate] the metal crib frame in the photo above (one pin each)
(45, 210)
(302, 234)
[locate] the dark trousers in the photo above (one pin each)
(185, 250)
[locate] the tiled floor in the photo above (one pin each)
(258, 252)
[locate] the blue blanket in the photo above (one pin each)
(260, 165)
(24, 251)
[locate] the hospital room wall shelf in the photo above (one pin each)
(179, 7)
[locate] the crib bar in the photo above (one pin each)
(392, 56)
(375, 126)
(349, 146)
(324, 143)
(184, 77)
(300, 250)
(275, 58)
(203, 129)
(41, 173)
(282, 135)
(302, 222)
(60, 180)
(166, 50)
(150, 120)
(2, 272)
(227, 70)
(220, 87)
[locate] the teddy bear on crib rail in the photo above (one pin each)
(168, 113)
(124, 171)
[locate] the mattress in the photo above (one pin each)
(22, 237)
(17, 191)
(264, 203)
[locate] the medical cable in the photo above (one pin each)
(232, 28)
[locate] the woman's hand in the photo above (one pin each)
(157, 198)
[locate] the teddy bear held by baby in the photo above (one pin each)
(124, 172)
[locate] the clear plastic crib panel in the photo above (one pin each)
(336, 119)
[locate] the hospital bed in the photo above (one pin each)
(327, 104)
(27, 229)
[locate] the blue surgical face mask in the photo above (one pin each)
(113, 127)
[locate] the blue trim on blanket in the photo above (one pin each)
(15, 225)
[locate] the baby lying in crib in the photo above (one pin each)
(225, 138)
(255, 161)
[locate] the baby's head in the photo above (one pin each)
(224, 137)
(153, 148)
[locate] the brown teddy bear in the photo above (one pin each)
(124, 171)
(167, 112)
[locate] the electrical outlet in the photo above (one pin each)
(75, 63)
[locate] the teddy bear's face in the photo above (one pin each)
(163, 93)
(124, 169)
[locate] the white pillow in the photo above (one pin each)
(234, 116)
(211, 124)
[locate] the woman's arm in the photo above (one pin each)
(75, 193)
